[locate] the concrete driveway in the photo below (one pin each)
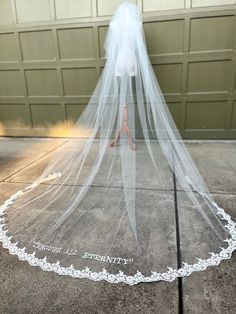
(27, 289)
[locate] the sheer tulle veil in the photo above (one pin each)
(121, 199)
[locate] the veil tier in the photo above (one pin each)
(121, 198)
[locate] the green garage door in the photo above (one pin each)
(51, 57)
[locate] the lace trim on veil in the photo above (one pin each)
(170, 275)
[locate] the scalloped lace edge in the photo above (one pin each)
(170, 275)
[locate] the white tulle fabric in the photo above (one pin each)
(121, 199)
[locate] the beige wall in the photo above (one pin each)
(51, 56)
(25, 11)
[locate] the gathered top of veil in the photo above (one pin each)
(121, 199)
(124, 35)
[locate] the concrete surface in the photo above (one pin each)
(27, 289)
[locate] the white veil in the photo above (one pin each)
(121, 200)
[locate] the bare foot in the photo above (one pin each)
(133, 146)
(113, 143)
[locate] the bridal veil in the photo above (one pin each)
(121, 199)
